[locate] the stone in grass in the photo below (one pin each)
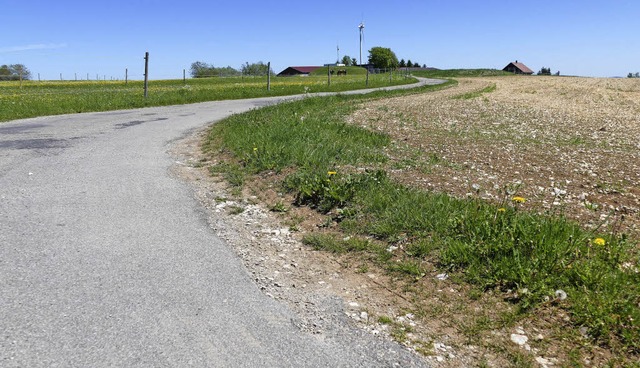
(519, 339)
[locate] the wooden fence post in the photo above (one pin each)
(269, 76)
(146, 73)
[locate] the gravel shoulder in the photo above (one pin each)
(326, 294)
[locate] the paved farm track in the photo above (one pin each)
(107, 260)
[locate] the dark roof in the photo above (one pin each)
(305, 69)
(292, 70)
(523, 68)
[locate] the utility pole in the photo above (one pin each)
(146, 73)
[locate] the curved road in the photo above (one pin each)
(106, 260)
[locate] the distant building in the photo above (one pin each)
(518, 68)
(297, 70)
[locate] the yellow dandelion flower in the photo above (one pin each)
(519, 199)
(599, 241)
(255, 148)
(502, 209)
(331, 173)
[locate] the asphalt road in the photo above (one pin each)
(107, 260)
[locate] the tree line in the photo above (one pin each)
(547, 71)
(383, 58)
(201, 69)
(14, 72)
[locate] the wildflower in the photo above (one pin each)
(331, 173)
(502, 209)
(255, 149)
(519, 199)
(561, 294)
(599, 241)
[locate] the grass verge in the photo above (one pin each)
(534, 260)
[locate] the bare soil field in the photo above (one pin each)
(568, 145)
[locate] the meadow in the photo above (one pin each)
(33, 98)
(518, 196)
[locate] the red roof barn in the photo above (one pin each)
(518, 68)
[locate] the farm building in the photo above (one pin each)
(297, 70)
(518, 68)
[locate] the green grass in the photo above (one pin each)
(337, 169)
(32, 98)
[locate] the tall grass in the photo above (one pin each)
(298, 135)
(32, 98)
(339, 170)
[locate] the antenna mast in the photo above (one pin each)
(361, 28)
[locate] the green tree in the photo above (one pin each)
(402, 63)
(255, 69)
(409, 64)
(346, 60)
(200, 69)
(354, 61)
(14, 72)
(383, 57)
(544, 71)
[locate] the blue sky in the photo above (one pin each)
(587, 38)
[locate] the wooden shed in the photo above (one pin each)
(518, 68)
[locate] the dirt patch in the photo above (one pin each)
(568, 145)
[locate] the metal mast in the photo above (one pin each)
(361, 28)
